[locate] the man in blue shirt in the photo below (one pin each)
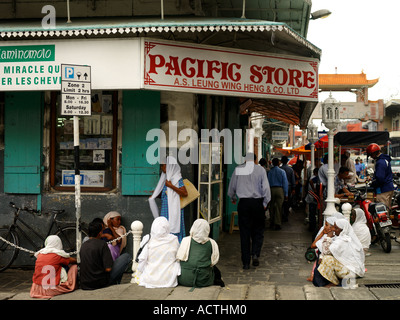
(279, 192)
(249, 183)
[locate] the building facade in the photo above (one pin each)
(201, 71)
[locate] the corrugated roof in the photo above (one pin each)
(92, 27)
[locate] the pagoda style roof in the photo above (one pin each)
(345, 82)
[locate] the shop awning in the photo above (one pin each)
(291, 112)
(361, 139)
(245, 33)
(296, 151)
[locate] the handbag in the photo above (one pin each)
(193, 194)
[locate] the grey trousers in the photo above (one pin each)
(275, 207)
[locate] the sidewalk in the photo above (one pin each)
(282, 275)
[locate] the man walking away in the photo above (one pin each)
(279, 192)
(249, 183)
(291, 187)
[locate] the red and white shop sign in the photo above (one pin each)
(225, 71)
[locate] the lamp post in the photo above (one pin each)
(312, 137)
(331, 119)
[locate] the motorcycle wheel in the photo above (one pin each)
(384, 239)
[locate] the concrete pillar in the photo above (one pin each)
(137, 229)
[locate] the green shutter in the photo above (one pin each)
(141, 113)
(23, 142)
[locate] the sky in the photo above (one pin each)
(360, 35)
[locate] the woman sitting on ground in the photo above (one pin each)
(323, 233)
(158, 266)
(345, 258)
(50, 278)
(114, 230)
(361, 229)
(198, 255)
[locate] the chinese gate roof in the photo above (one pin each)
(345, 82)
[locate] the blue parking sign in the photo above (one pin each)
(69, 72)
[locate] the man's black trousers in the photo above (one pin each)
(251, 225)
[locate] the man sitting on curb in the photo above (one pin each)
(97, 269)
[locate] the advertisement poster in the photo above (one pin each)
(89, 178)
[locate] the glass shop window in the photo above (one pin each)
(97, 147)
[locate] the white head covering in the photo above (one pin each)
(347, 249)
(331, 220)
(158, 266)
(53, 244)
(159, 235)
(173, 174)
(361, 229)
(120, 230)
(198, 232)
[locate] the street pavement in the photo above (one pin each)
(281, 275)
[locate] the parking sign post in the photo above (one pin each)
(76, 101)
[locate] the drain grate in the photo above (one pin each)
(384, 285)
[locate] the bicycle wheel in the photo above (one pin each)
(8, 252)
(68, 237)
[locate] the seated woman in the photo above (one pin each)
(346, 258)
(323, 233)
(198, 255)
(361, 229)
(50, 278)
(158, 266)
(113, 230)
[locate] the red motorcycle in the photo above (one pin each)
(378, 219)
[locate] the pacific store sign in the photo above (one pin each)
(159, 65)
(204, 69)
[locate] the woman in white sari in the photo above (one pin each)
(361, 229)
(346, 258)
(158, 266)
(170, 186)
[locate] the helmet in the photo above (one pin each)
(373, 147)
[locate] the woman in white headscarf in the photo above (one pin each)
(114, 230)
(158, 266)
(198, 255)
(171, 188)
(321, 248)
(361, 229)
(50, 278)
(347, 259)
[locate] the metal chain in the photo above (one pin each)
(18, 247)
(71, 253)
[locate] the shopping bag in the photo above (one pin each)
(193, 194)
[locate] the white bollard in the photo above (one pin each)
(346, 209)
(137, 229)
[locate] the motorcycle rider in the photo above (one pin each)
(383, 177)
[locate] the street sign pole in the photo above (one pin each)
(77, 186)
(76, 101)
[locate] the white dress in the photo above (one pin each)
(158, 266)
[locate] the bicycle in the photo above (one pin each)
(9, 236)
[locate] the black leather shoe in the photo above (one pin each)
(256, 263)
(246, 267)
